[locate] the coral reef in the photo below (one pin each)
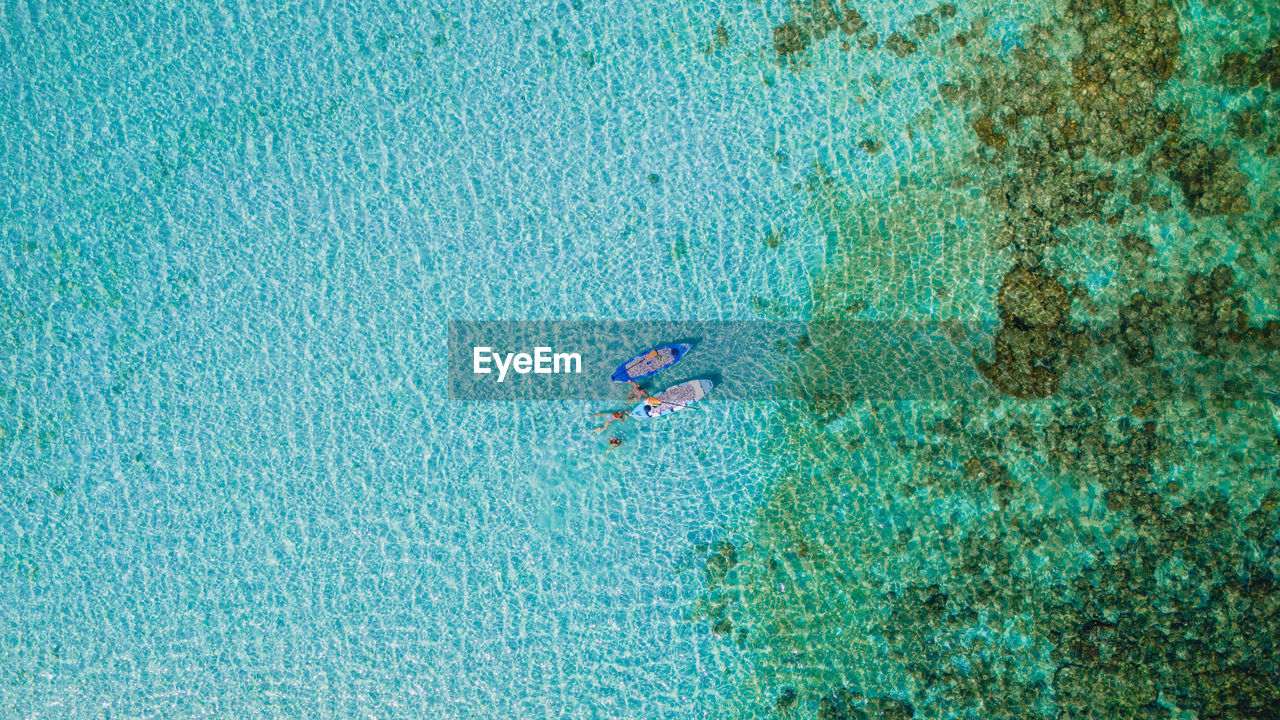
(1130, 49)
(1161, 619)
(1246, 70)
(900, 45)
(1211, 184)
(1034, 345)
(1097, 536)
(846, 705)
(811, 21)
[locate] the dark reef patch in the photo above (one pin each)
(844, 704)
(871, 146)
(811, 21)
(1131, 48)
(1211, 184)
(1030, 300)
(1220, 325)
(1240, 69)
(1033, 346)
(786, 699)
(985, 127)
(900, 45)
(1141, 321)
(924, 25)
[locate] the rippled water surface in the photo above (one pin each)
(235, 483)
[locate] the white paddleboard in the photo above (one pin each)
(676, 397)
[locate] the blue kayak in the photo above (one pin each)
(650, 362)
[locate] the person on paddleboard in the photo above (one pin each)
(636, 393)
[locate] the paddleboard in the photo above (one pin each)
(676, 397)
(650, 362)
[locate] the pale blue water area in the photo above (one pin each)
(234, 483)
(232, 237)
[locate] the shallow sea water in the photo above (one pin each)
(234, 484)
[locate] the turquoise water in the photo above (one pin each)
(234, 485)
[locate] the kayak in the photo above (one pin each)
(676, 397)
(650, 362)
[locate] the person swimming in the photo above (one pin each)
(616, 415)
